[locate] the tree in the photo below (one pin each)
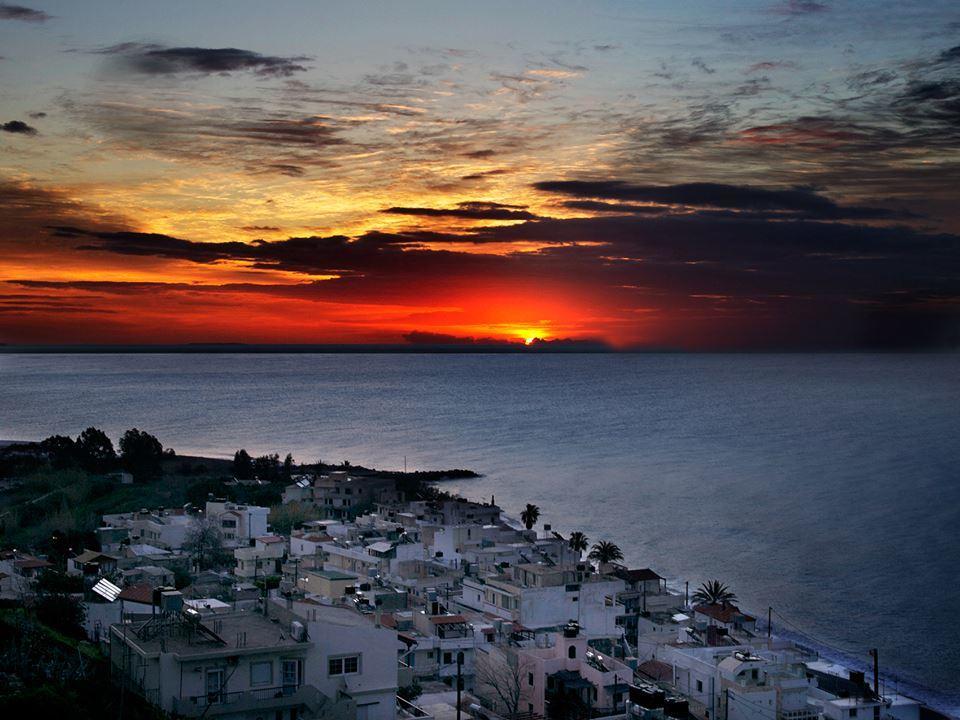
(289, 516)
(242, 465)
(204, 543)
(288, 467)
(605, 552)
(501, 679)
(61, 451)
(141, 453)
(578, 542)
(61, 611)
(267, 467)
(530, 515)
(714, 592)
(95, 451)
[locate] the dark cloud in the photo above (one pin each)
(260, 228)
(25, 14)
(480, 154)
(800, 7)
(950, 56)
(792, 283)
(619, 208)
(800, 201)
(469, 210)
(485, 174)
(151, 59)
(18, 127)
(38, 115)
(701, 65)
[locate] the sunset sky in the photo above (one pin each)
(753, 174)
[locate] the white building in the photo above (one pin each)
(237, 523)
(162, 527)
(263, 557)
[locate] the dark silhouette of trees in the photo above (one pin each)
(288, 467)
(578, 542)
(530, 515)
(95, 451)
(141, 454)
(605, 552)
(267, 467)
(61, 451)
(242, 465)
(714, 592)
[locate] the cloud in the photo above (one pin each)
(800, 7)
(699, 276)
(18, 127)
(25, 14)
(480, 154)
(152, 59)
(799, 201)
(472, 210)
(701, 65)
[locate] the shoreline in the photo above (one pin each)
(941, 702)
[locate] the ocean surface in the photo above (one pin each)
(826, 486)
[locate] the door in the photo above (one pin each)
(214, 686)
(290, 677)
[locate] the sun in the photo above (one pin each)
(528, 340)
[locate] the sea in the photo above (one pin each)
(825, 486)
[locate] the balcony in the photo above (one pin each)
(274, 698)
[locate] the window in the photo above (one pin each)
(572, 652)
(261, 673)
(228, 523)
(853, 712)
(529, 678)
(347, 665)
(447, 658)
(699, 685)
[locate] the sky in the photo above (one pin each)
(702, 175)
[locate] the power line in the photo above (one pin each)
(832, 646)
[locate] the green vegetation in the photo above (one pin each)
(57, 490)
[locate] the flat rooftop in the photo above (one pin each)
(242, 630)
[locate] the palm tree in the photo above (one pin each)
(714, 592)
(605, 552)
(530, 515)
(578, 542)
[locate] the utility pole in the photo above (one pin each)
(769, 625)
(459, 680)
(686, 594)
(875, 654)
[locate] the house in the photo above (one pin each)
(326, 583)
(355, 657)
(264, 556)
(152, 575)
(92, 563)
(161, 527)
(338, 494)
(727, 618)
(237, 523)
(233, 666)
(540, 596)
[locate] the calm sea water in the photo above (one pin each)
(826, 486)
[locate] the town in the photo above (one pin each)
(365, 595)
